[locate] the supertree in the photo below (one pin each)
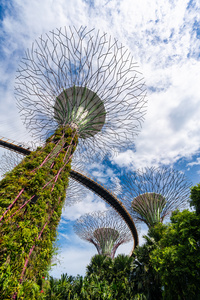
(105, 230)
(151, 194)
(72, 86)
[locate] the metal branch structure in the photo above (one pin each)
(74, 87)
(152, 194)
(86, 80)
(105, 230)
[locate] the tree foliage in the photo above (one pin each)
(105, 279)
(177, 256)
(195, 198)
(166, 267)
(145, 277)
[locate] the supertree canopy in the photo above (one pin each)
(105, 230)
(151, 194)
(86, 80)
(73, 86)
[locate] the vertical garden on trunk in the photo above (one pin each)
(29, 220)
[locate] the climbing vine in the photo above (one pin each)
(31, 201)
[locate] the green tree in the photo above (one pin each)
(59, 288)
(100, 266)
(31, 199)
(195, 198)
(146, 279)
(177, 256)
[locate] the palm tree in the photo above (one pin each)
(101, 266)
(145, 279)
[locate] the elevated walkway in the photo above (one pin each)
(11, 145)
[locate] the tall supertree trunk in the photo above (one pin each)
(86, 80)
(31, 201)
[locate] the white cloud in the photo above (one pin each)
(73, 261)
(63, 221)
(197, 162)
(64, 235)
(172, 123)
(124, 158)
(117, 187)
(90, 203)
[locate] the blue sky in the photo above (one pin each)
(164, 39)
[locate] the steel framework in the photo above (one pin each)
(85, 79)
(105, 230)
(151, 194)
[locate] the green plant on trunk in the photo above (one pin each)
(31, 201)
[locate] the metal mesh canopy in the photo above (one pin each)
(149, 206)
(84, 79)
(106, 230)
(151, 194)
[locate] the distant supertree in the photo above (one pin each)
(151, 194)
(73, 86)
(105, 230)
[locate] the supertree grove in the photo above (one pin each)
(74, 87)
(105, 230)
(151, 194)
